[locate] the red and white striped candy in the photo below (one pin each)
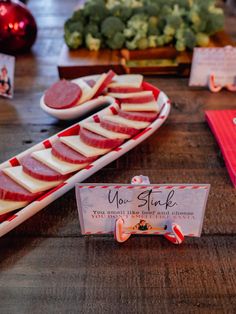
(119, 235)
(177, 237)
(212, 86)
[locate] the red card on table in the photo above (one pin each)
(223, 127)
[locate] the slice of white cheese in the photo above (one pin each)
(150, 106)
(29, 183)
(131, 95)
(46, 157)
(8, 206)
(96, 128)
(99, 82)
(86, 90)
(84, 149)
(127, 80)
(129, 123)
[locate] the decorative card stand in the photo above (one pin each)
(176, 237)
(215, 88)
(174, 211)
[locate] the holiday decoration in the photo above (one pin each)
(17, 27)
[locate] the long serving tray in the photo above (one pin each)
(48, 197)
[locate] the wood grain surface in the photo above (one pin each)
(46, 266)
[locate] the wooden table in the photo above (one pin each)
(48, 267)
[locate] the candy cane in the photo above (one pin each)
(212, 86)
(177, 237)
(231, 87)
(119, 235)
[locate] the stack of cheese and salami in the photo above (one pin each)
(42, 170)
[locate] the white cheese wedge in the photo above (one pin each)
(99, 82)
(127, 80)
(8, 206)
(150, 106)
(131, 95)
(84, 149)
(29, 183)
(129, 123)
(86, 90)
(96, 128)
(46, 157)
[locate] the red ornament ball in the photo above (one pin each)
(18, 28)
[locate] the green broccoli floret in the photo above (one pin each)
(202, 39)
(142, 43)
(139, 24)
(73, 33)
(116, 42)
(78, 15)
(165, 10)
(93, 29)
(153, 31)
(153, 21)
(73, 40)
(186, 37)
(167, 39)
(169, 30)
(122, 12)
(73, 26)
(129, 33)
(174, 21)
(160, 41)
(96, 12)
(152, 41)
(112, 25)
(92, 43)
(214, 23)
(152, 10)
(131, 44)
(180, 45)
(190, 39)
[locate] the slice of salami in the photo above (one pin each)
(68, 154)
(97, 140)
(38, 170)
(148, 116)
(12, 191)
(116, 127)
(62, 94)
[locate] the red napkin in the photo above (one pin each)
(224, 129)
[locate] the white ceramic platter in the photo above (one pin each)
(20, 216)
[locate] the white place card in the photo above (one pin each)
(220, 62)
(149, 209)
(7, 68)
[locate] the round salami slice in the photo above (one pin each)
(68, 154)
(38, 170)
(63, 94)
(97, 140)
(147, 116)
(12, 191)
(116, 127)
